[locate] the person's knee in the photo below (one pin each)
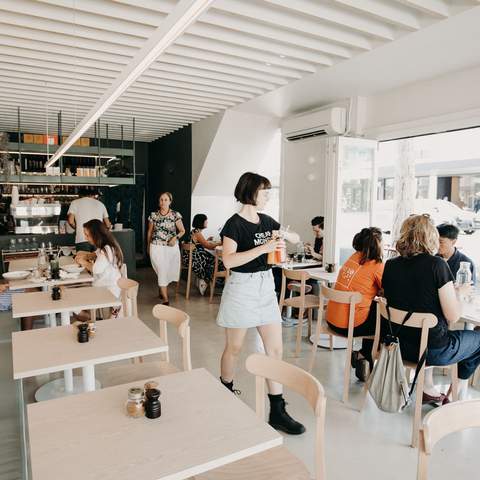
(275, 352)
(233, 349)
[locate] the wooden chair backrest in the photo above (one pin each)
(129, 293)
(441, 422)
(349, 298)
(296, 275)
(302, 382)
(181, 321)
(423, 321)
(123, 270)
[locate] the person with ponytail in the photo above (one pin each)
(362, 272)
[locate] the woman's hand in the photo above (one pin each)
(172, 242)
(272, 245)
(464, 290)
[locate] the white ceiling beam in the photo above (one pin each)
(184, 14)
(281, 19)
(437, 8)
(157, 78)
(339, 16)
(393, 13)
(244, 27)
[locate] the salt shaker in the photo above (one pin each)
(152, 405)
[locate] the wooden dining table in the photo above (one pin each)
(49, 350)
(73, 299)
(89, 436)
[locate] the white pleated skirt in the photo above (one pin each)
(249, 300)
(166, 263)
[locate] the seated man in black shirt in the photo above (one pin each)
(317, 250)
(447, 250)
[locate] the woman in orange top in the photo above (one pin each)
(362, 272)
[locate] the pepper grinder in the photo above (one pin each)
(82, 333)
(56, 293)
(152, 405)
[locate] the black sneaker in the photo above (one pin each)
(279, 419)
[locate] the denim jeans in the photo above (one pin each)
(463, 348)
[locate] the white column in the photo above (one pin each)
(88, 378)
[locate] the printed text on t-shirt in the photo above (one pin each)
(262, 238)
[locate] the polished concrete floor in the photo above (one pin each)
(362, 445)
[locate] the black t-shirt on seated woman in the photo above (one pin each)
(249, 235)
(412, 284)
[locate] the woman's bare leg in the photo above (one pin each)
(271, 335)
(234, 338)
(163, 293)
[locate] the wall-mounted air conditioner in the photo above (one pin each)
(331, 121)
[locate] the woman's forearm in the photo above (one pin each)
(237, 259)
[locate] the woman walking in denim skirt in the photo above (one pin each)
(249, 298)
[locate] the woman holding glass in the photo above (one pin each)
(165, 228)
(248, 299)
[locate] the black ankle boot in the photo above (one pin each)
(229, 385)
(280, 419)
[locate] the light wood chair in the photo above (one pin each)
(442, 422)
(128, 294)
(217, 273)
(346, 298)
(423, 321)
(123, 270)
(119, 374)
(278, 463)
(303, 302)
(186, 247)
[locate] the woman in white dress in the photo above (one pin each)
(165, 228)
(107, 263)
(249, 299)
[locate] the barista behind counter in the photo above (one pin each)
(81, 211)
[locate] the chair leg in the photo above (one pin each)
(212, 288)
(314, 346)
(189, 279)
(299, 331)
(454, 379)
(417, 417)
(475, 377)
(330, 342)
(346, 374)
(310, 316)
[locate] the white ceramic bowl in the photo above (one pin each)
(72, 268)
(18, 275)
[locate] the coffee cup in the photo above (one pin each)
(118, 226)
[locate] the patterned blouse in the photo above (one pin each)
(164, 228)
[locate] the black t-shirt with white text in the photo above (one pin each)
(412, 284)
(248, 235)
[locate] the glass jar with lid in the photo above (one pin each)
(134, 406)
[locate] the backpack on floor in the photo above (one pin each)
(388, 383)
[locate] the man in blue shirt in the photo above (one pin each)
(447, 250)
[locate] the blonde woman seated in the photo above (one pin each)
(107, 263)
(419, 281)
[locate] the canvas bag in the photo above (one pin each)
(388, 383)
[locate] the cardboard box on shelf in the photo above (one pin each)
(27, 138)
(50, 139)
(38, 139)
(77, 143)
(85, 142)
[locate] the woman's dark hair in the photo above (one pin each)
(248, 186)
(320, 221)
(198, 221)
(369, 243)
(101, 237)
(447, 230)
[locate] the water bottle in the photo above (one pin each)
(300, 252)
(464, 274)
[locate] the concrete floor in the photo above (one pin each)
(366, 445)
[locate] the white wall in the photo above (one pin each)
(443, 103)
(242, 142)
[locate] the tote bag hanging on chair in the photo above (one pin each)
(388, 383)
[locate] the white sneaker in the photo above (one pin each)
(202, 286)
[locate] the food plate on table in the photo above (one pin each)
(16, 275)
(73, 268)
(64, 275)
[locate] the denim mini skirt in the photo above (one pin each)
(248, 300)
